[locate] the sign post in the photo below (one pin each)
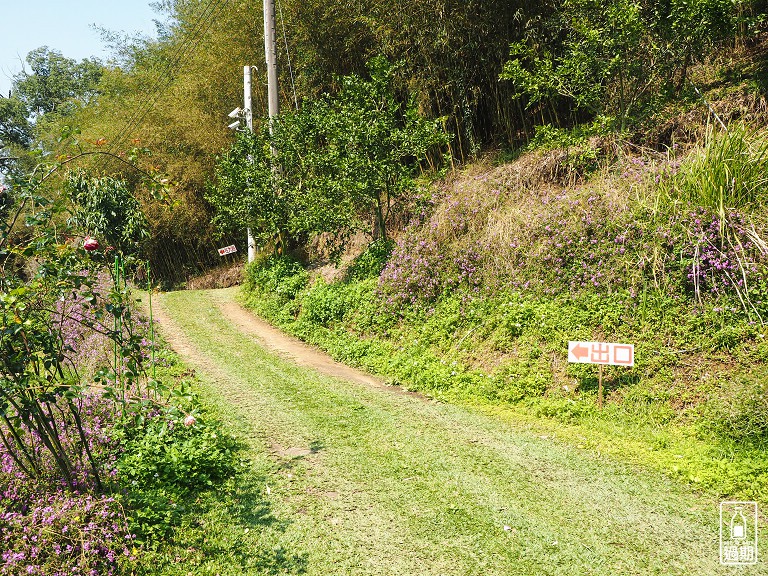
(600, 387)
(601, 353)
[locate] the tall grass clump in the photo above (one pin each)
(727, 176)
(730, 171)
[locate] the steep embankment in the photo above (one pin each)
(368, 481)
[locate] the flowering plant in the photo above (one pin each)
(58, 458)
(90, 244)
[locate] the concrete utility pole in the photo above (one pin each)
(270, 53)
(248, 111)
(270, 50)
(247, 100)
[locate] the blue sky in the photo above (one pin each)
(64, 25)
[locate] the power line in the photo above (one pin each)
(165, 76)
(287, 54)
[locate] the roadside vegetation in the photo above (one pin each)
(503, 265)
(491, 75)
(452, 192)
(104, 450)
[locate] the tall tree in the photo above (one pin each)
(50, 91)
(345, 161)
(55, 83)
(15, 128)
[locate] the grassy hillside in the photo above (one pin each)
(503, 263)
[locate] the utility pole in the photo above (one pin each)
(270, 53)
(248, 111)
(270, 50)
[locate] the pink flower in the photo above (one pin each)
(190, 421)
(90, 244)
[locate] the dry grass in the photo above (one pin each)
(230, 274)
(320, 252)
(501, 210)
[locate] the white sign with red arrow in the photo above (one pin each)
(607, 353)
(227, 250)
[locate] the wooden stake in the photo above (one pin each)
(600, 387)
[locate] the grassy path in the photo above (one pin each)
(368, 481)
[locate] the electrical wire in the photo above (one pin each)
(162, 76)
(165, 76)
(287, 54)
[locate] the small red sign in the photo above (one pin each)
(227, 250)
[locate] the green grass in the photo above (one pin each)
(700, 417)
(229, 529)
(392, 484)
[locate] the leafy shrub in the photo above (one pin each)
(365, 309)
(372, 261)
(165, 462)
(106, 207)
(346, 159)
(522, 379)
(323, 303)
(154, 512)
(517, 315)
(618, 57)
(179, 457)
(281, 275)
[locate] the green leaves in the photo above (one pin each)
(340, 163)
(107, 208)
(15, 128)
(164, 462)
(56, 83)
(46, 309)
(615, 58)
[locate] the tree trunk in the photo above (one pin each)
(380, 220)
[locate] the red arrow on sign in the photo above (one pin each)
(580, 351)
